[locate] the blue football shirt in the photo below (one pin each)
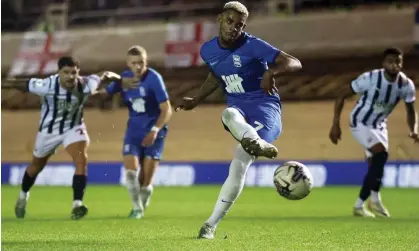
(143, 102)
(241, 68)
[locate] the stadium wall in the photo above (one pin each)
(302, 35)
(397, 174)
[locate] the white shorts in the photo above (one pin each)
(46, 144)
(368, 137)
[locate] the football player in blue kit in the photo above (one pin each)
(246, 67)
(144, 92)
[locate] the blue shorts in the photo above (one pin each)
(265, 117)
(132, 146)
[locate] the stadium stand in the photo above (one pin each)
(16, 18)
(321, 79)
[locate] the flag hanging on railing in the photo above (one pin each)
(183, 43)
(39, 52)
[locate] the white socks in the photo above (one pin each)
(145, 195)
(133, 187)
(237, 125)
(375, 197)
(23, 195)
(77, 203)
(359, 203)
(232, 187)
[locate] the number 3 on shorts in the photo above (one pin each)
(258, 125)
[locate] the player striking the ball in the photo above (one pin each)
(149, 112)
(380, 90)
(239, 62)
(63, 96)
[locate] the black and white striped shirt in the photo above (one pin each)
(379, 97)
(62, 109)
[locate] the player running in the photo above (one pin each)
(149, 112)
(380, 90)
(239, 62)
(63, 96)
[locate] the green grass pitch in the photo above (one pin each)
(260, 220)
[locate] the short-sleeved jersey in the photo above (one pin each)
(143, 102)
(62, 109)
(379, 97)
(241, 68)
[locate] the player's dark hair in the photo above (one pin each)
(67, 61)
(392, 51)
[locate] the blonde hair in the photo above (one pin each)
(137, 50)
(237, 6)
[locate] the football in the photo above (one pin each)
(293, 180)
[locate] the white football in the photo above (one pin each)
(293, 180)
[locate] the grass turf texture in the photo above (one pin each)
(260, 220)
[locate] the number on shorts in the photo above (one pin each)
(258, 125)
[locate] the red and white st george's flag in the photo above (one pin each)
(184, 40)
(39, 52)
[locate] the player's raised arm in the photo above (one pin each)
(412, 117)
(284, 62)
(34, 85)
(209, 86)
(21, 84)
(278, 61)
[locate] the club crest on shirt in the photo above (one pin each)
(236, 61)
(142, 91)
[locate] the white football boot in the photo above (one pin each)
(363, 212)
(206, 232)
(378, 209)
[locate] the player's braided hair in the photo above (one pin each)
(237, 6)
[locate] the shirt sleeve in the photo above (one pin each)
(203, 54)
(160, 91)
(410, 94)
(113, 88)
(93, 82)
(39, 86)
(265, 51)
(362, 83)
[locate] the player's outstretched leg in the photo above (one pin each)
(230, 191)
(133, 186)
(148, 168)
(372, 184)
(247, 135)
(28, 180)
(78, 152)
